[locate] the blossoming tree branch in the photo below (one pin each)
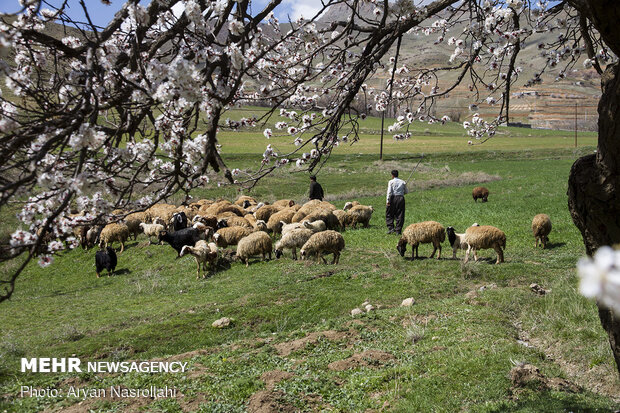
(126, 115)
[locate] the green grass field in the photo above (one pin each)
(452, 350)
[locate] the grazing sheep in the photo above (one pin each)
(292, 240)
(306, 209)
(266, 211)
(230, 236)
(358, 214)
(236, 221)
(181, 238)
(289, 227)
(133, 222)
(323, 242)
(284, 203)
(260, 226)
(316, 226)
(541, 227)
(340, 214)
(189, 212)
(480, 192)
(251, 219)
(245, 201)
(105, 259)
(484, 237)
(163, 211)
(457, 241)
(151, 230)
(325, 215)
(208, 220)
(422, 233)
(275, 221)
(179, 221)
(256, 243)
(225, 206)
(203, 252)
(114, 232)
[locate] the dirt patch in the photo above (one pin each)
(271, 378)
(288, 347)
(528, 375)
(185, 356)
(368, 358)
(193, 405)
(267, 401)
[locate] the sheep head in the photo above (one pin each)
(451, 235)
(402, 247)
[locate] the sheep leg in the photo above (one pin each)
(336, 258)
(197, 269)
(294, 251)
(467, 253)
(500, 254)
(97, 274)
(434, 250)
(454, 252)
(122, 246)
(475, 255)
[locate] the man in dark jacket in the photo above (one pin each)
(316, 191)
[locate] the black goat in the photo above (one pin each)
(179, 221)
(181, 238)
(105, 259)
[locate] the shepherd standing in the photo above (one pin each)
(316, 190)
(395, 205)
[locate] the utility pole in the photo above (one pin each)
(575, 125)
(390, 97)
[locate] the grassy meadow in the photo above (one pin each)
(293, 344)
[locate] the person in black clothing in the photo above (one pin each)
(316, 191)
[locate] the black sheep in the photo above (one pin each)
(105, 259)
(179, 221)
(181, 238)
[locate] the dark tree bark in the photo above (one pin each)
(594, 182)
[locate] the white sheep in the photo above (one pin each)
(151, 230)
(292, 240)
(541, 227)
(484, 237)
(204, 253)
(324, 242)
(289, 227)
(254, 244)
(316, 226)
(422, 233)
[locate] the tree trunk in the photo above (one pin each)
(594, 190)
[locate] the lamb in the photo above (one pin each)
(179, 221)
(256, 243)
(230, 236)
(484, 237)
(151, 230)
(422, 233)
(457, 241)
(203, 252)
(114, 232)
(541, 227)
(323, 242)
(181, 238)
(358, 214)
(350, 205)
(480, 192)
(292, 240)
(105, 259)
(316, 226)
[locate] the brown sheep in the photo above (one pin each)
(484, 237)
(422, 233)
(113, 232)
(480, 192)
(323, 242)
(266, 211)
(541, 227)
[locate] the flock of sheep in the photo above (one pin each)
(203, 228)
